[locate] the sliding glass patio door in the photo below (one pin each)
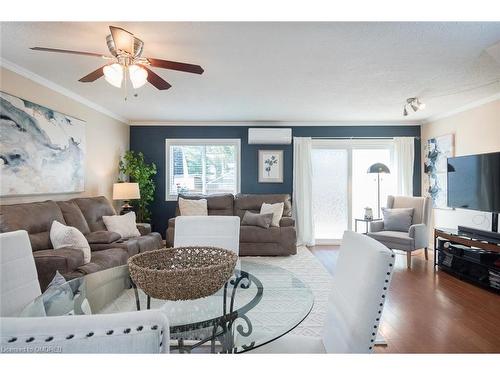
(342, 188)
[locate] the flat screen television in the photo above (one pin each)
(474, 182)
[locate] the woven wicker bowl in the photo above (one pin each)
(182, 273)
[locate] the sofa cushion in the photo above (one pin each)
(35, 218)
(131, 246)
(258, 234)
(104, 259)
(253, 203)
(93, 209)
(102, 236)
(73, 216)
(217, 204)
(393, 237)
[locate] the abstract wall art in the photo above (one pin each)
(41, 151)
(436, 167)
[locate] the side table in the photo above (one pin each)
(366, 223)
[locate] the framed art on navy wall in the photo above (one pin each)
(271, 166)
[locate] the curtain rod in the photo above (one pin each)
(360, 137)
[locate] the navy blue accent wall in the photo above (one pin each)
(150, 140)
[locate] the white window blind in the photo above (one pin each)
(202, 166)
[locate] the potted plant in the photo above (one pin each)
(137, 170)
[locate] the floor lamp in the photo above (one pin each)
(378, 168)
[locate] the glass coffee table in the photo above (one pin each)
(257, 305)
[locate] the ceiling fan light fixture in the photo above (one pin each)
(114, 74)
(413, 103)
(420, 104)
(138, 76)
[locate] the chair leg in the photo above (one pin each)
(426, 253)
(408, 259)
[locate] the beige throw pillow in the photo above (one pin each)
(124, 225)
(64, 236)
(193, 207)
(276, 209)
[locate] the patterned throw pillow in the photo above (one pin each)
(64, 236)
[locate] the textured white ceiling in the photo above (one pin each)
(276, 71)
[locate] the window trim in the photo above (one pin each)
(198, 142)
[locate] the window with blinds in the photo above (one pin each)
(202, 166)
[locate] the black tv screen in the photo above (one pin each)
(474, 182)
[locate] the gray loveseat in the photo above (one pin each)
(254, 241)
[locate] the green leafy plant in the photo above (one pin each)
(134, 166)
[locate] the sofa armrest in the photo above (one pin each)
(420, 235)
(144, 228)
(287, 222)
(64, 260)
(171, 222)
(376, 226)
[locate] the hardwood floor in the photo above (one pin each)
(432, 312)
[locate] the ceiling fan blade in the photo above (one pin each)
(123, 39)
(66, 51)
(156, 80)
(174, 65)
(91, 77)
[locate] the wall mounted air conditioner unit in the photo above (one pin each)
(269, 136)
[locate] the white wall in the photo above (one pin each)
(476, 131)
(106, 138)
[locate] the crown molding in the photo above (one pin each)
(271, 123)
(464, 108)
(59, 89)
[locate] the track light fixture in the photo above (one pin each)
(413, 103)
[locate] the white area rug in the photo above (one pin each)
(304, 265)
(309, 269)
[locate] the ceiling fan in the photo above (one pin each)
(126, 59)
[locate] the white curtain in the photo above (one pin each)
(302, 190)
(404, 156)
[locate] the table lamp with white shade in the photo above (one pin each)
(126, 191)
(378, 168)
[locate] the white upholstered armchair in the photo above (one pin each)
(417, 236)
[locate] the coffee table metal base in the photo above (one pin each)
(222, 327)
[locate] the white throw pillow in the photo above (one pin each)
(64, 236)
(124, 225)
(276, 209)
(193, 207)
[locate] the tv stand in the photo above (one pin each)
(468, 258)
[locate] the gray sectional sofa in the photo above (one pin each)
(254, 241)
